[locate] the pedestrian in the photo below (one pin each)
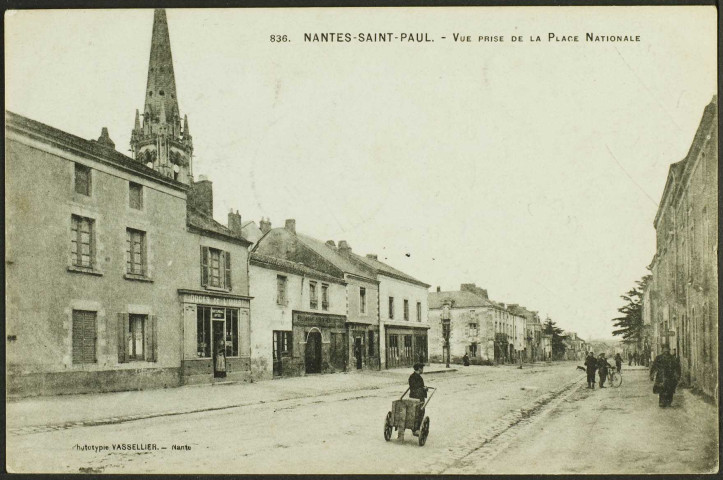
(635, 359)
(590, 367)
(220, 370)
(602, 369)
(630, 359)
(666, 372)
(618, 362)
(465, 360)
(418, 391)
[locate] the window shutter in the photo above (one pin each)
(204, 266)
(227, 265)
(151, 340)
(122, 337)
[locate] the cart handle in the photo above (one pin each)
(430, 397)
(405, 392)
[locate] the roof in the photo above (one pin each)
(276, 263)
(88, 148)
(208, 225)
(388, 270)
(460, 299)
(335, 258)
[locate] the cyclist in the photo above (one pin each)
(603, 366)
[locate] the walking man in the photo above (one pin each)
(618, 362)
(666, 372)
(590, 367)
(418, 391)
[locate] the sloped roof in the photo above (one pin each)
(203, 222)
(460, 299)
(335, 258)
(388, 270)
(291, 267)
(88, 148)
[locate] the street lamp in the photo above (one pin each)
(446, 321)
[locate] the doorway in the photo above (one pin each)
(358, 352)
(219, 349)
(313, 352)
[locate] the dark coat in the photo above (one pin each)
(591, 364)
(666, 371)
(416, 387)
(603, 365)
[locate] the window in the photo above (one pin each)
(362, 300)
(472, 329)
(393, 350)
(84, 336)
(313, 296)
(406, 309)
(216, 326)
(136, 337)
(419, 311)
(391, 307)
(82, 242)
(371, 343)
(82, 179)
(282, 344)
(324, 296)
(215, 268)
(135, 196)
(135, 252)
(280, 290)
(408, 346)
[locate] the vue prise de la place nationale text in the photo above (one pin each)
(390, 37)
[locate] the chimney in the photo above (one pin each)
(439, 289)
(290, 225)
(344, 247)
(331, 244)
(264, 225)
(234, 222)
(372, 256)
(105, 140)
(201, 195)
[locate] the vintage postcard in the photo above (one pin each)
(450, 240)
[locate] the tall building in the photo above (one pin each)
(159, 141)
(683, 293)
(103, 286)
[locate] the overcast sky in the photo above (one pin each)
(531, 169)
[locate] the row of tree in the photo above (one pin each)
(630, 325)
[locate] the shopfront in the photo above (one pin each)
(406, 346)
(319, 345)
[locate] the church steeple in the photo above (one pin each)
(160, 143)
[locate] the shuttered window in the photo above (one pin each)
(82, 241)
(137, 338)
(215, 268)
(84, 336)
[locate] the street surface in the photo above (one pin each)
(540, 419)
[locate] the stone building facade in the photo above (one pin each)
(683, 303)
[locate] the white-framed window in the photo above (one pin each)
(82, 243)
(136, 337)
(136, 263)
(215, 268)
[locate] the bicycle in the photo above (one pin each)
(615, 378)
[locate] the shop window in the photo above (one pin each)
(82, 179)
(324, 297)
(215, 268)
(408, 346)
(84, 336)
(231, 332)
(371, 343)
(313, 296)
(282, 344)
(394, 346)
(205, 340)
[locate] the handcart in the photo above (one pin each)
(404, 414)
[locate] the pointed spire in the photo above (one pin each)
(161, 86)
(186, 131)
(137, 125)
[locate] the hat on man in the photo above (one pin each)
(417, 366)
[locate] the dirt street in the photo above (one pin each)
(483, 420)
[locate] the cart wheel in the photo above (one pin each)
(423, 432)
(388, 427)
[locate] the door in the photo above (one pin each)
(277, 349)
(339, 351)
(313, 352)
(219, 348)
(358, 352)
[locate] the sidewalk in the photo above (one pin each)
(30, 415)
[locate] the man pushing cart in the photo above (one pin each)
(410, 413)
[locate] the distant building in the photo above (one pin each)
(683, 294)
(533, 332)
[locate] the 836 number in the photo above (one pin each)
(278, 38)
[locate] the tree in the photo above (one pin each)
(558, 339)
(630, 325)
